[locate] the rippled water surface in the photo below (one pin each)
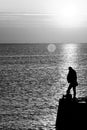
(32, 80)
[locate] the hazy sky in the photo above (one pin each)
(34, 21)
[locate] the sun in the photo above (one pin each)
(68, 15)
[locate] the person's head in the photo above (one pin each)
(70, 68)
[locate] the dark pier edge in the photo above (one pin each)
(72, 113)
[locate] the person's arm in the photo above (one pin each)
(68, 78)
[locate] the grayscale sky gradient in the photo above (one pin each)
(43, 21)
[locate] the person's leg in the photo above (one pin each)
(74, 91)
(68, 90)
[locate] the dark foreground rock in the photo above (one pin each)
(72, 113)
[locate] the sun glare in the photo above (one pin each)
(68, 15)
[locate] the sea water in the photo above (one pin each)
(32, 79)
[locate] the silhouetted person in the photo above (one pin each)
(72, 80)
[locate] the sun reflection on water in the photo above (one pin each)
(70, 55)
